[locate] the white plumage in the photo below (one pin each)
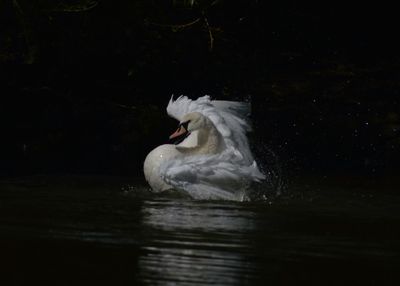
(222, 170)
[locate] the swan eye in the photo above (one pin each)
(185, 124)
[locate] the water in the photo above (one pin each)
(69, 230)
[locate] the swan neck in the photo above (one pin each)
(209, 140)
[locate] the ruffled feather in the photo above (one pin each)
(224, 175)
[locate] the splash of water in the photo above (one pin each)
(272, 166)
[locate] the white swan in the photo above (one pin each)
(214, 160)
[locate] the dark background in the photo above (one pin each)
(84, 84)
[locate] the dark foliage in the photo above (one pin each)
(85, 83)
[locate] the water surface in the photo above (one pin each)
(69, 230)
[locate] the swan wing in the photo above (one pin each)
(210, 177)
(224, 175)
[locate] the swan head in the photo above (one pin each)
(190, 122)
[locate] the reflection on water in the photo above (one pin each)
(196, 243)
(86, 232)
(191, 216)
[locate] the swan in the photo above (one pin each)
(212, 158)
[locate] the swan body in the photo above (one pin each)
(214, 161)
(151, 165)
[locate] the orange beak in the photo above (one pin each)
(181, 130)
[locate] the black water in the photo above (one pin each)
(70, 230)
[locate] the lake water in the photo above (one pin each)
(69, 230)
